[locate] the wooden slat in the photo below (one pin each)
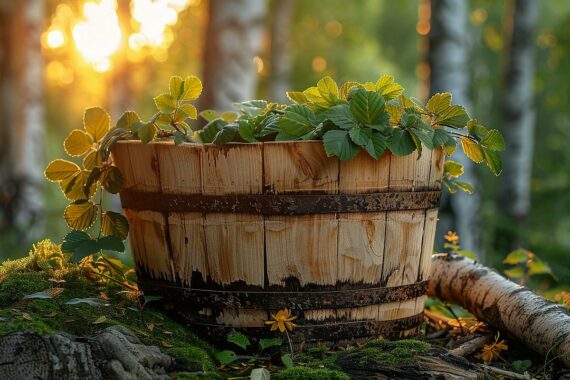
(437, 160)
(148, 242)
(138, 163)
(402, 172)
(180, 173)
(364, 174)
(301, 248)
(302, 166)
(242, 317)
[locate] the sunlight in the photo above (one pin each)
(154, 18)
(55, 39)
(99, 35)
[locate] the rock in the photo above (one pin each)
(115, 353)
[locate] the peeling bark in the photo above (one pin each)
(21, 118)
(448, 59)
(542, 325)
(233, 38)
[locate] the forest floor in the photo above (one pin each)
(46, 294)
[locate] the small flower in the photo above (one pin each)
(282, 321)
(492, 351)
(452, 237)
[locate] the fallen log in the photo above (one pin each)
(541, 325)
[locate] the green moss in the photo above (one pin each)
(201, 376)
(193, 358)
(391, 353)
(306, 373)
(16, 286)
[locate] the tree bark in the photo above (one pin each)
(541, 325)
(233, 39)
(114, 354)
(280, 54)
(448, 55)
(519, 113)
(21, 118)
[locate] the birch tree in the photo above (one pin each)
(518, 112)
(21, 118)
(280, 55)
(233, 38)
(448, 57)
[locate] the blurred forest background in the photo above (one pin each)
(507, 61)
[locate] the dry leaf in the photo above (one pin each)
(99, 320)
(69, 320)
(166, 344)
(150, 326)
(104, 296)
(166, 332)
(51, 314)
(27, 316)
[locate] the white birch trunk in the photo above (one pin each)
(448, 57)
(519, 112)
(233, 39)
(21, 126)
(539, 324)
(279, 82)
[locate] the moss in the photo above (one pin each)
(16, 286)
(193, 358)
(306, 373)
(391, 353)
(196, 376)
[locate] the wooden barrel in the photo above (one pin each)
(230, 234)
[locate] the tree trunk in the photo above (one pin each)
(280, 54)
(21, 118)
(448, 54)
(519, 113)
(233, 39)
(540, 324)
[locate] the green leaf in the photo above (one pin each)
(192, 88)
(239, 339)
(441, 137)
(188, 110)
(493, 140)
(145, 131)
(112, 179)
(73, 240)
(360, 136)
(386, 86)
(341, 116)
(59, 170)
(226, 357)
(77, 143)
(111, 243)
(471, 149)
(297, 120)
(287, 361)
(464, 186)
(96, 122)
(246, 131)
(114, 224)
(91, 180)
(226, 134)
(493, 161)
(516, 272)
(179, 137)
(176, 87)
(367, 106)
(328, 89)
(539, 267)
(127, 120)
(209, 132)
(270, 342)
(401, 143)
(445, 113)
(424, 134)
(260, 374)
(370, 140)
(518, 256)
(521, 366)
(230, 117)
(208, 115)
(150, 298)
(338, 143)
(165, 103)
(469, 254)
(251, 108)
(81, 215)
(454, 169)
(475, 129)
(297, 97)
(88, 301)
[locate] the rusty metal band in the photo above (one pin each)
(268, 300)
(335, 331)
(280, 204)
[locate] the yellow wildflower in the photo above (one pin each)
(282, 321)
(452, 237)
(492, 351)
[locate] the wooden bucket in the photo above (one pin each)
(230, 234)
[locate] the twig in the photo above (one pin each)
(512, 375)
(471, 346)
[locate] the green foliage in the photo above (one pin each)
(372, 116)
(524, 264)
(306, 373)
